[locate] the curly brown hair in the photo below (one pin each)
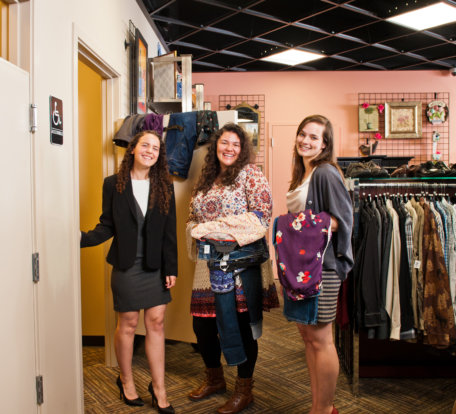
(212, 171)
(161, 186)
(325, 156)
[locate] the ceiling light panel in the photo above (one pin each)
(426, 17)
(292, 57)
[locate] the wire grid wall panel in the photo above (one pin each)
(252, 100)
(419, 148)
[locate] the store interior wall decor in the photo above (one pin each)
(403, 119)
(140, 78)
(368, 117)
(437, 112)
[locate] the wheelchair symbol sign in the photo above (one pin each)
(56, 120)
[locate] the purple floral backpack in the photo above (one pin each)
(300, 240)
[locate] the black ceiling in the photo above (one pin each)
(232, 35)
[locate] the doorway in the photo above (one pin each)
(97, 107)
(90, 101)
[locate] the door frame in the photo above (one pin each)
(85, 50)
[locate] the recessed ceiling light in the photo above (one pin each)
(430, 16)
(292, 57)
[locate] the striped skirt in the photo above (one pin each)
(327, 300)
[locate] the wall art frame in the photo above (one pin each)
(140, 84)
(368, 119)
(403, 119)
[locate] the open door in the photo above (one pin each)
(17, 359)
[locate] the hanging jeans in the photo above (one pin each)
(227, 319)
(180, 142)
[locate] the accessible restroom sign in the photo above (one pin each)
(56, 120)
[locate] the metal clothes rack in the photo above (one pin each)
(347, 339)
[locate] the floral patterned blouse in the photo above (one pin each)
(250, 192)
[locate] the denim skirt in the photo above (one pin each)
(320, 308)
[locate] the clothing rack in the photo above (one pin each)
(350, 342)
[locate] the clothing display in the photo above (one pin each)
(405, 283)
(154, 122)
(131, 125)
(206, 124)
(180, 142)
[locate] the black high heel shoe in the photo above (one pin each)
(137, 402)
(165, 410)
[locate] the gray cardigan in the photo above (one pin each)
(328, 193)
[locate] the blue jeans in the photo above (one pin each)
(207, 251)
(180, 142)
(226, 315)
(302, 311)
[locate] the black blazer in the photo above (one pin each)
(118, 219)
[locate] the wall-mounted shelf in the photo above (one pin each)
(164, 78)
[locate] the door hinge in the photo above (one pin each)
(33, 117)
(272, 142)
(39, 390)
(36, 267)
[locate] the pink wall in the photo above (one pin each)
(290, 96)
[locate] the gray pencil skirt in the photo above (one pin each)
(135, 288)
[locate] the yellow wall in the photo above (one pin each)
(90, 198)
(4, 30)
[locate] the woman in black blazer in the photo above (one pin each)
(139, 212)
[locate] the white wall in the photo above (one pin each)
(103, 25)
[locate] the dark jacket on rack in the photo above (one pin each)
(327, 193)
(118, 219)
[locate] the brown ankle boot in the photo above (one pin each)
(214, 384)
(241, 398)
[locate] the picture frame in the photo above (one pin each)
(368, 119)
(403, 119)
(140, 75)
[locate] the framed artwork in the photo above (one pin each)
(368, 118)
(403, 119)
(437, 112)
(140, 78)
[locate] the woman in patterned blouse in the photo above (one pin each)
(230, 185)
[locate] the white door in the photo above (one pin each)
(17, 356)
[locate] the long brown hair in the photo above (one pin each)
(326, 155)
(160, 181)
(211, 170)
